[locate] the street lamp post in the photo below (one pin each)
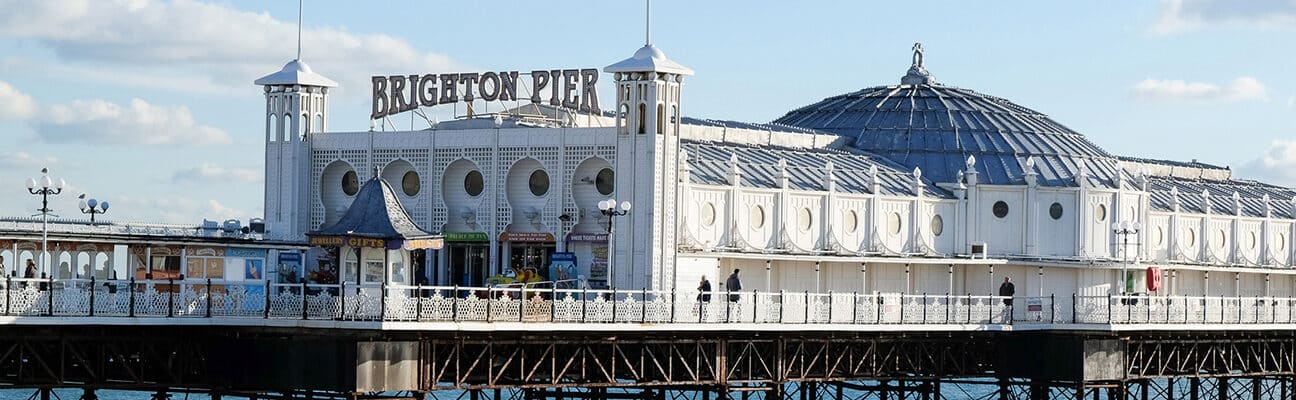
(609, 208)
(1126, 229)
(92, 207)
(44, 188)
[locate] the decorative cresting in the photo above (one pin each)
(917, 74)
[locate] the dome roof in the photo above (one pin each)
(296, 72)
(936, 128)
(648, 58)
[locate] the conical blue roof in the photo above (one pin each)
(375, 213)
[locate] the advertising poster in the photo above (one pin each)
(599, 268)
(562, 267)
(254, 269)
(290, 267)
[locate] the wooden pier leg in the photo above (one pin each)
(884, 391)
(1143, 389)
(838, 395)
(1170, 391)
(1282, 387)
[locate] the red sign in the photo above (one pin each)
(1153, 279)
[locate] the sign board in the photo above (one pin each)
(1034, 304)
(243, 252)
(533, 237)
(587, 237)
(339, 241)
(417, 244)
(290, 267)
(562, 266)
(466, 237)
(574, 89)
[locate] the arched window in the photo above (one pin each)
(319, 123)
(625, 112)
(661, 119)
(285, 126)
(304, 124)
(643, 116)
(272, 128)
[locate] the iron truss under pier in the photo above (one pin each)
(270, 363)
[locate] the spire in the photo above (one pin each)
(917, 74)
(299, 28)
(647, 22)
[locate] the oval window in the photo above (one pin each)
(1158, 237)
(937, 225)
(757, 217)
(1055, 211)
(1190, 237)
(893, 223)
(473, 183)
(1000, 209)
(1100, 213)
(539, 182)
(1251, 240)
(1220, 238)
(350, 183)
(851, 221)
(804, 219)
(708, 214)
(1282, 242)
(410, 183)
(603, 182)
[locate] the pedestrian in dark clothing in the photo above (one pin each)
(733, 285)
(704, 290)
(1007, 289)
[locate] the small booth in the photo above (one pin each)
(375, 242)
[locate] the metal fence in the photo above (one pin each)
(374, 302)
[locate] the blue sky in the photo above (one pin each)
(149, 104)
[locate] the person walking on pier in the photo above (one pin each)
(1007, 289)
(704, 290)
(733, 286)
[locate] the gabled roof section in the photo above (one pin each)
(710, 163)
(296, 72)
(1251, 195)
(375, 213)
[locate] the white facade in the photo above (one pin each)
(794, 209)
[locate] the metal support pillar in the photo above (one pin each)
(1223, 388)
(90, 394)
(1194, 388)
(45, 393)
(1004, 393)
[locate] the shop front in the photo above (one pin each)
(529, 253)
(594, 248)
(467, 257)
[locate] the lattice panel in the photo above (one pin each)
(320, 159)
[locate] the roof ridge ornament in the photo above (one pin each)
(918, 74)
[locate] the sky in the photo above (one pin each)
(149, 104)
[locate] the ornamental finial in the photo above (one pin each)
(917, 74)
(917, 55)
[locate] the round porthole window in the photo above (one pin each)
(893, 223)
(1100, 213)
(350, 183)
(603, 181)
(539, 182)
(473, 183)
(410, 184)
(937, 225)
(1055, 211)
(850, 221)
(804, 219)
(757, 217)
(1000, 209)
(708, 214)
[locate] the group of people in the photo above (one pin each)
(732, 285)
(30, 272)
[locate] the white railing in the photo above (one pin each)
(372, 302)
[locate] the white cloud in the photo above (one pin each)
(1190, 15)
(1277, 165)
(102, 122)
(1240, 89)
(211, 173)
(174, 210)
(219, 43)
(24, 161)
(14, 104)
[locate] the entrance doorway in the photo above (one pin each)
(533, 256)
(468, 264)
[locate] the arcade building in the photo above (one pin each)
(911, 186)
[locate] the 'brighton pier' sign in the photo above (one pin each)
(400, 93)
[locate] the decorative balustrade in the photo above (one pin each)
(351, 302)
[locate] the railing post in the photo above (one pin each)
(131, 312)
(267, 299)
(854, 308)
(584, 302)
(92, 294)
(8, 297)
(614, 304)
(208, 293)
(490, 299)
(553, 302)
(1011, 307)
(522, 303)
(728, 304)
(672, 305)
(782, 300)
(1074, 312)
(948, 307)
(303, 294)
(902, 307)
(755, 300)
(643, 309)
(170, 297)
(877, 307)
(1052, 308)
(51, 295)
(382, 301)
(1110, 306)
(342, 299)
(830, 306)
(418, 302)
(924, 309)
(807, 307)
(454, 304)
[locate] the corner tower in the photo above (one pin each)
(296, 106)
(648, 124)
